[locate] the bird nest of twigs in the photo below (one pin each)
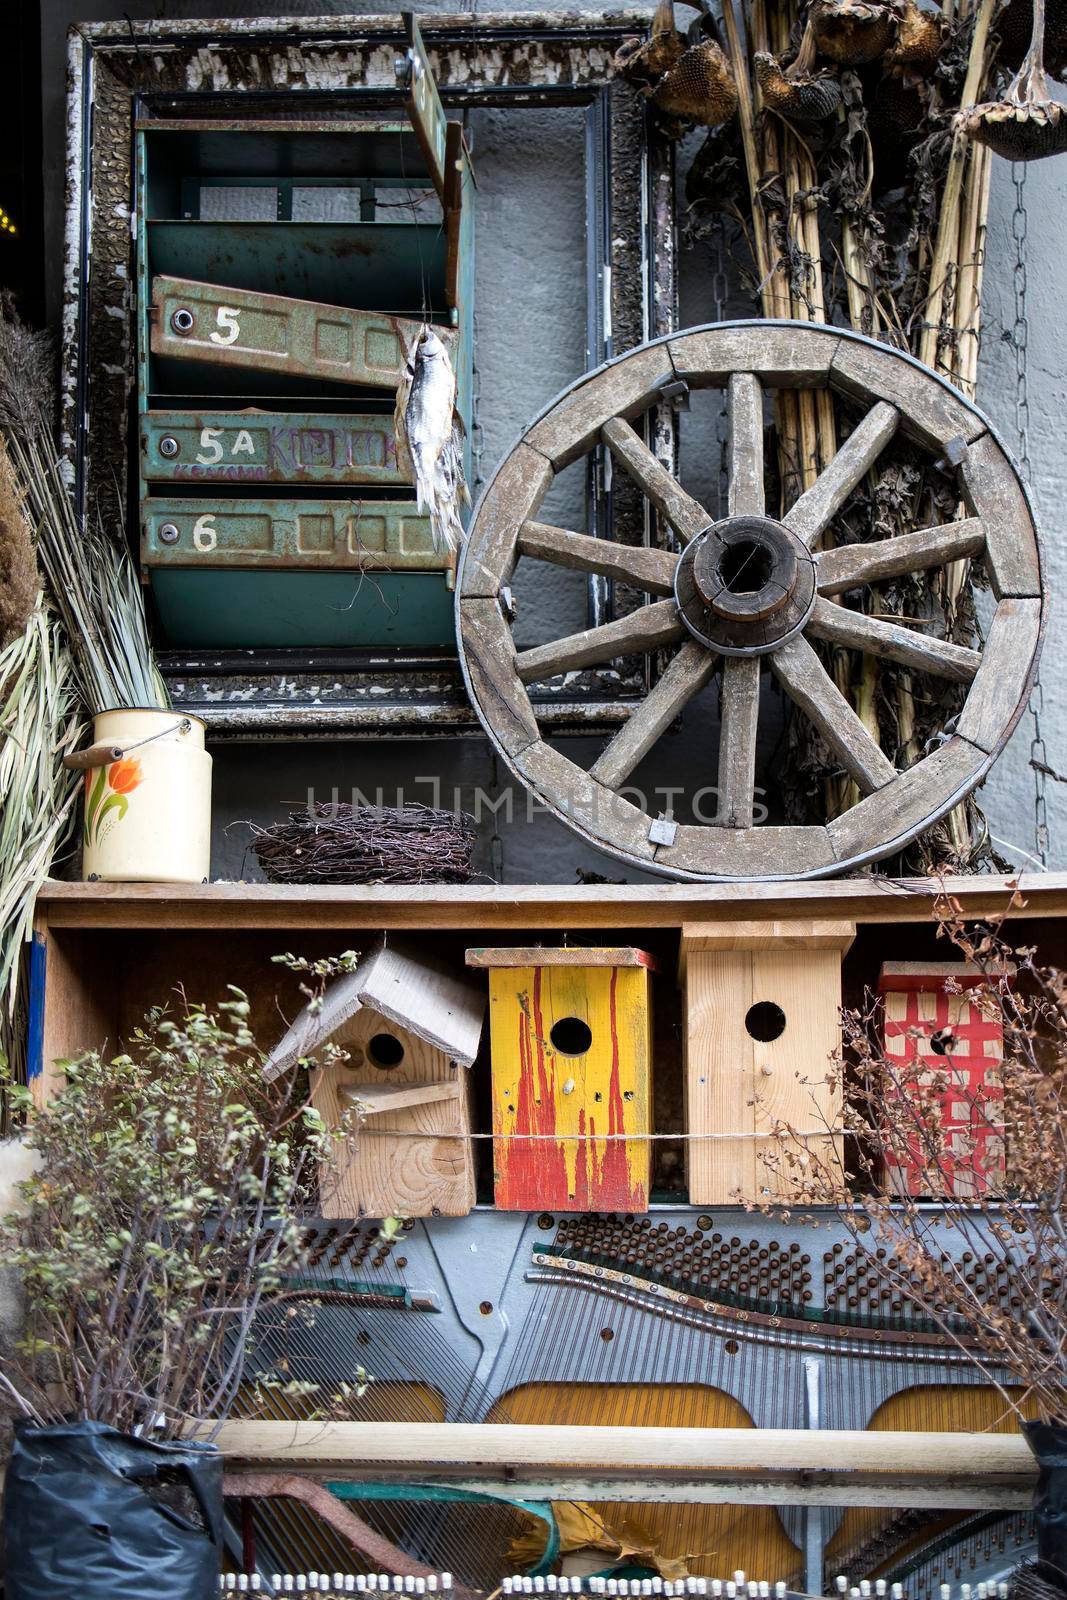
(327, 843)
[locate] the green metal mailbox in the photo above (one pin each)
(284, 268)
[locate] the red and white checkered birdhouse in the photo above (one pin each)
(935, 1027)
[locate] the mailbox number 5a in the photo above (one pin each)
(228, 328)
(204, 536)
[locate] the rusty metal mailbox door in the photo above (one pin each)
(283, 269)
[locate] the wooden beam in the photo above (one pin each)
(474, 907)
(681, 1488)
(431, 1446)
(737, 741)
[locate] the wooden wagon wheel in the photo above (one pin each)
(750, 590)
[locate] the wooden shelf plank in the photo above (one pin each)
(225, 906)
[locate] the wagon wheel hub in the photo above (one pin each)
(745, 585)
(794, 590)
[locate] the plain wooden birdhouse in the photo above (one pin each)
(410, 1029)
(762, 1007)
(571, 1039)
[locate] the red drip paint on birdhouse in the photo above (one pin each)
(575, 1170)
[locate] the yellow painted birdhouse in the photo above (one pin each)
(410, 1030)
(761, 1024)
(571, 1038)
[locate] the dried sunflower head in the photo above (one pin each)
(644, 61)
(806, 99)
(852, 32)
(918, 42)
(1018, 130)
(699, 88)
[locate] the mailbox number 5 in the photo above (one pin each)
(227, 328)
(204, 536)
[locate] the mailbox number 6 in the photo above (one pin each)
(204, 536)
(228, 328)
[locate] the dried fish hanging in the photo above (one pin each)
(430, 436)
(860, 200)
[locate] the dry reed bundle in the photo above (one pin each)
(40, 722)
(86, 563)
(367, 844)
(81, 648)
(20, 581)
(858, 199)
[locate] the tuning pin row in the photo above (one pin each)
(739, 1587)
(967, 1591)
(337, 1583)
(716, 1588)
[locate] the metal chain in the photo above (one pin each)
(1020, 343)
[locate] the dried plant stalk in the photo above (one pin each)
(1003, 1145)
(944, 263)
(748, 136)
(20, 581)
(87, 565)
(40, 722)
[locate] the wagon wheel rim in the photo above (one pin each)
(702, 600)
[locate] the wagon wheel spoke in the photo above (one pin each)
(745, 451)
(749, 583)
(688, 673)
(811, 513)
(684, 514)
(644, 630)
(837, 625)
(850, 565)
(811, 687)
(642, 568)
(737, 741)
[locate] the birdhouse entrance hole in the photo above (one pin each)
(571, 1036)
(765, 1021)
(385, 1051)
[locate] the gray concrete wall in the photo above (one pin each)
(530, 341)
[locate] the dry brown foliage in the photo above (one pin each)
(1010, 1142)
(19, 578)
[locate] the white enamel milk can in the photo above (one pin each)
(147, 816)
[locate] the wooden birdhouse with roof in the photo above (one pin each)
(571, 1039)
(942, 1038)
(410, 1029)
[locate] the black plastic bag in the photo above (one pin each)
(1048, 1441)
(95, 1513)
